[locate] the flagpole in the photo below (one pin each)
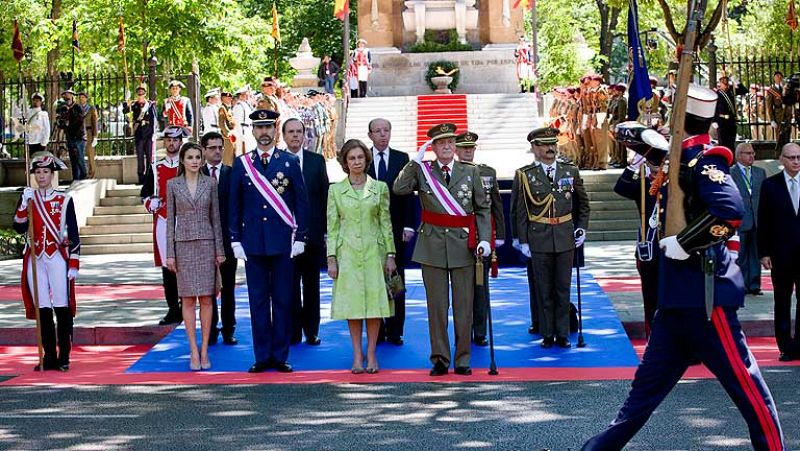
(276, 38)
(535, 44)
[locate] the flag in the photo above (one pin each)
(526, 4)
(121, 37)
(16, 44)
(75, 44)
(341, 9)
(791, 16)
(639, 90)
(276, 30)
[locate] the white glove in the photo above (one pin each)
(154, 205)
(238, 251)
(27, 195)
(672, 249)
(580, 237)
(525, 248)
(773, 124)
(483, 246)
(714, 125)
(515, 243)
(421, 153)
(298, 248)
(72, 274)
(498, 243)
(94, 142)
(636, 163)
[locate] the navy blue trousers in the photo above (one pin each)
(269, 288)
(680, 338)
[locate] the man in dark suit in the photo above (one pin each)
(268, 222)
(725, 116)
(748, 179)
(305, 308)
(779, 245)
(213, 144)
(386, 165)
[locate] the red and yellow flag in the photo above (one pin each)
(276, 31)
(526, 4)
(121, 37)
(341, 9)
(791, 16)
(16, 44)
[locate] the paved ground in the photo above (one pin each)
(510, 416)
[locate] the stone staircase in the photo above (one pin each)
(120, 225)
(400, 111)
(613, 217)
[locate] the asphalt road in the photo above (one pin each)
(512, 416)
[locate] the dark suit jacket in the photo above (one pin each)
(750, 219)
(401, 208)
(315, 175)
(778, 225)
(224, 187)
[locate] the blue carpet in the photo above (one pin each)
(607, 343)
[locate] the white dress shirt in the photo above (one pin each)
(219, 169)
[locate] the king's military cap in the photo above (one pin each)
(446, 130)
(264, 117)
(467, 139)
(543, 136)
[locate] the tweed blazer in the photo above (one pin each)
(193, 217)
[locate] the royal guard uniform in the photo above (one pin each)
(210, 111)
(524, 56)
(700, 291)
(491, 190)
(154, 197)
(55, 242)
(178, 108)
(144, 129)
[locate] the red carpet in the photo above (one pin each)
(105, 365)
(631, 284)
(437, 109)
(117, 292)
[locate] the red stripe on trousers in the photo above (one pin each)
(753, 395)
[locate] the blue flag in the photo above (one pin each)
(639, 89)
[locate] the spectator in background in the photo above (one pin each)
(327, 73)
(70, 118)
(37, 117)
(144, 128)
(748, 179)
(360, 250)
(90, 124)
(194, 250)
(779, 245)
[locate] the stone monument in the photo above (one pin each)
(304, 63)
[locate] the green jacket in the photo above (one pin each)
(446, 247)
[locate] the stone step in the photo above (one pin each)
(612, 235)
(614, 225)
(144, 218)
(106, 249)
(123, 192)
(121, 210)
(601, 215)
(128, 238)
(118, 229)
(611, 205)
(120, 201)
(605, 196)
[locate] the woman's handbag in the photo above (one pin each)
(395, 286)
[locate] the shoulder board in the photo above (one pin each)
(567, 163)
(468, 163)
(720, 151)
(527, 168)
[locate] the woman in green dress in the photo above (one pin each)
(360, 251)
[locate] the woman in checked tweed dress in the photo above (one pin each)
(194, 246)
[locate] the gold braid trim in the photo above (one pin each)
(546, 203)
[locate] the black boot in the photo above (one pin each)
(64, 330)
(174, 314)
(48, 329)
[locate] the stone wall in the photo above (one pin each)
(490, 71)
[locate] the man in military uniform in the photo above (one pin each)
(778, 114)
(210, 112)
(227, 125)
(241, 112)
(267, 99)
(617, 113)
(178, 108)
(700, 291)
(455, 226)
(70, 116)
(154, 197)
(465, 150)
(90, 119)
(552, 214)
(726, 116)
(144, 128)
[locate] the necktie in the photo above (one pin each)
(794, 193)
(747, 179)
(214, 172)
(446, 170)
(550, 171)
(265, 158)
(381, 167)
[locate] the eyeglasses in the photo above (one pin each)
(791, 157)
(214, 147)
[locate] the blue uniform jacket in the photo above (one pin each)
(251, 220)
(710, 188)
(630, 188)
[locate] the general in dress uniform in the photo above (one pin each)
(455, 226)
(154, 197)
(178, 108)
(55, 243)
(268, 222)
(144, 128)
(552, 214)
(700, 291)
(466, 144)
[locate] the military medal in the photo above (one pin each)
(714, 174)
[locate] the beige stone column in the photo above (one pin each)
(376, 22)
(492, 28)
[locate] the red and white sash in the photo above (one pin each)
(445, 198)
(268, 192)
(46, 219)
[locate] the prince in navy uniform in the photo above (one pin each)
(700, 291)
(267, 222)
